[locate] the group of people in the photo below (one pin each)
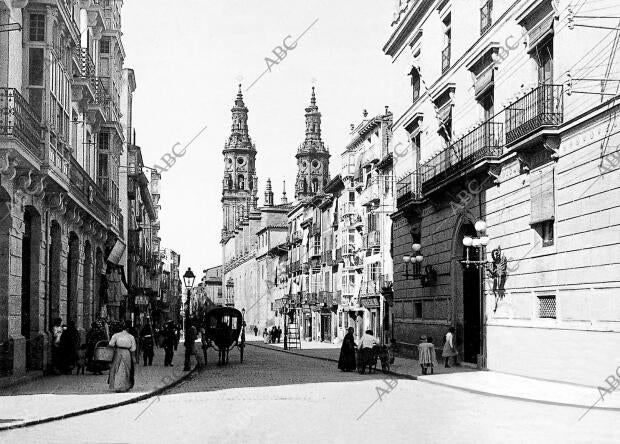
(272, 335)
(427, 356)
(67, 352)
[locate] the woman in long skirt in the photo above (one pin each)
(121, 377)
(449, 350)
(347, 352)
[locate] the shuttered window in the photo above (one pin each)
(542, 195)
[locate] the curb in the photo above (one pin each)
(454, 387)
(320, 358)
(100, 408)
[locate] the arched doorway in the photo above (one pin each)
(72, 277)
(467, 298)
(54, 272)
(88, 285)
(31, 244)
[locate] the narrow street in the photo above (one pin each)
(281, 398)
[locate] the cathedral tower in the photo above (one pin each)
(239, 190)
(312, 156)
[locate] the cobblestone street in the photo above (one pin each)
(272, 394)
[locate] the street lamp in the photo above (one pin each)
(188, 280)
(479, 243)
(427, 278)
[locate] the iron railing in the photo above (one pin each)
(408, 187)
(87, 191)
(445, 58)
(19, 120)
(543, 106)
(485, 16)
(487, 140)
(374, 239)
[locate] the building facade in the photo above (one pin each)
(60, 142)
(510, 122)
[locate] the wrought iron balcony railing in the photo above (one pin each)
(19, 120)
(445, 58)
(374, 239)
(541, 107)
(408, 187)
(87, 191)
(485, 141)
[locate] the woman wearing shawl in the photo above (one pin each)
(347, 352)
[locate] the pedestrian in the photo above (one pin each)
(177, 337)
(56, 351)
(265, 336)
(147, 344)
(255, 330)
(169, 338)
(69, 345)
(367, 342)
(346, 362)
(449, 351)
(278, 333)
(190, 342)
(80, 362)
(426, 355)
(121, 377)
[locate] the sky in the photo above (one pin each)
(188, 61)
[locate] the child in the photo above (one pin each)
(433, 355)
(425, 355)
(80, 362)
(449, 349)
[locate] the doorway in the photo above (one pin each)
(326, 327)
(472, 327)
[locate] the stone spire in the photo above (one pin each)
(284, 200)
(312, 156)
(268, 194)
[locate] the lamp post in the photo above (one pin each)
(481, 263)
(188, 279)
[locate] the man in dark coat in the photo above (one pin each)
(168, 344)
(69, 344)
(346, 362)
(147, 344)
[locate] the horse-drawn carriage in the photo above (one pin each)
(224, 329)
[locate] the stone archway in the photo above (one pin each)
(73, 271)
(88, 286)
(30, 280)
(55, 251)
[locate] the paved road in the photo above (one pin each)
(281, 398)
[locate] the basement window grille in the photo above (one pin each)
(546, 307)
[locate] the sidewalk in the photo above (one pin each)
(54, 396)
(486, 383)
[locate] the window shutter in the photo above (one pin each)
(542, 195)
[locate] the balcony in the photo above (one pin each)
(19, 122)
(408, 188)
(348, 209)
(542, 108)
(85, 189)
(371, 194)
(296, 237)
(484, 142)
(85, 63)
(326, 298)
(372, 287)
(445, 58)
(338, 255)
(315, 251)
(374, 239)
(99, 105)
(349, 250)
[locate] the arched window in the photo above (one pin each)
(229, 183)
(315, 185)
(304, 186)
(241, 182)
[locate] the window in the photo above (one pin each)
(544, 60)
(104, 141)
(315, 185)
(485, 16)
(417, 310)
(488, 105)
(545, 231)
(447, 41)
(241, 182)
(37, 27)
(415, 83)
(35, 66)
(546, 307)
(104, 46)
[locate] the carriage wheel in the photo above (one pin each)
(385, 366)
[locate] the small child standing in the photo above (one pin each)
(80, 362)
(426, 355)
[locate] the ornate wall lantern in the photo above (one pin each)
(426, 279)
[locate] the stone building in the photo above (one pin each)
(506, 158)
(249, 232)
(208, 292)
(60, 143)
